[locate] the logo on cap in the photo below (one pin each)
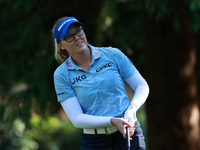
(65, 23)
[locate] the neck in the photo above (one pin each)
(84, 59)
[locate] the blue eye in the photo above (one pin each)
(69, 36)
(78, 31)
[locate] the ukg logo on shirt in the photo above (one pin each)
(78, 79)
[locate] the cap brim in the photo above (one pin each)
(64, 31)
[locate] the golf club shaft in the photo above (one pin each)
(128, 138)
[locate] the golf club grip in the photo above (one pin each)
(128, 137)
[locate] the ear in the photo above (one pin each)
(60, 46)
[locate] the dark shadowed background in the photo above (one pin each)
(160, 37)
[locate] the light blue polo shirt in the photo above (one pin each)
(100, 91)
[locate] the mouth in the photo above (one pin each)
(79, 43)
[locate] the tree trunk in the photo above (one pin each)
(172, 106)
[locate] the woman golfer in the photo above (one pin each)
(89, 84)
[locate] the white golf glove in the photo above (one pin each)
(130, 115)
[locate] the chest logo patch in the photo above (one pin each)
(96, 52)
(78, 79)
(103, 67)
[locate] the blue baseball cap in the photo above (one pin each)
(62, 27)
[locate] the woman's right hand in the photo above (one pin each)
(120, 125)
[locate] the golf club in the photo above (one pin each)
(128, 138)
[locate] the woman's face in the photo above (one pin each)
(79, 43)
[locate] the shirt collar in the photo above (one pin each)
(70, 63)
(95, 52)
(95, 55)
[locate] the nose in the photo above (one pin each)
(76, 37)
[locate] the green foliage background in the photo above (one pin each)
(28, 107)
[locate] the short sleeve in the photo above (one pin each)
(62, 85)
(125, 66)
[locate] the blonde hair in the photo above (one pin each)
(60, 55)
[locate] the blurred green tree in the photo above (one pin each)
(27, 63)
(27, 55)
(172, 107)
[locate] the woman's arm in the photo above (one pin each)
(141, 88)
(73, 110)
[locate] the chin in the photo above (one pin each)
(84, 46)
